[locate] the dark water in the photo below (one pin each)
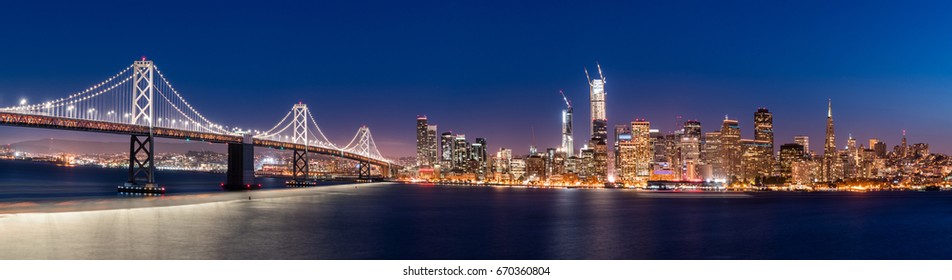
(24, 180)
(395, 221)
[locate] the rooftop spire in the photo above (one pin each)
(829, 108)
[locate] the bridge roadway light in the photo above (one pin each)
(22, 101)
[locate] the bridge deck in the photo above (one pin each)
(50, 122)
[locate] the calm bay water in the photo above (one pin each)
(397, 221)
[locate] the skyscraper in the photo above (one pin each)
(597, 94)
(642, 152)
(461, 153)
(904, 145)
(730, 148)
(426, 142)
(789, 154)
(691, 150)
(447, 146)
(829, 149)
(763, 127)
(479, 155)
(599, 129)
(622, 134)
(568, 142)
(711, 157)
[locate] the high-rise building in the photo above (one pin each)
(763, 127)
(479, 157)
(672, 154)
(586, 166)
(622, 134)
(461, 154)
(804, 141)
(503, 160)
(711, 157)
(880, 149)
(658, 145)
(447, 146)
(755, 160)
(517, 168)
(597, 95)
(535, 168)
(730, 148)
(600, 159)
(790, 153)
(829, 149)
(690, 147)
(426, 143)
(692, 129)
(568, 138)
(626, 155)
(642, 153)
(904, 146)
(599, 131)
(873, 142)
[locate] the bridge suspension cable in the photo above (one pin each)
(363, 144)
(133, 96)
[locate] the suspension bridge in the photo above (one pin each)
(140, 101)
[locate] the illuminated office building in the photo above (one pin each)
(730, 148)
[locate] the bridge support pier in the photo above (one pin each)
(363, 171)
(141, 166)
(241, 166)
(300, 170)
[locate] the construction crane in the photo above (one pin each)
(567, 103)
(600, 71)
(587, 78)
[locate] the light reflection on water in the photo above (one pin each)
(394, 221)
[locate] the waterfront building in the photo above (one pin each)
(461, 154)
(535, 168)
(447, 144)
(790, 153)
(517, 167)
(755, 160)
(627, 166)
(502, 161)
(690, 151)
(804, 172)
(711, 156)
(478, 156)
(600, 159)
(730, 149)
(426, 143)
(643, 152)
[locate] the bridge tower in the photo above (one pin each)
(365, 148)
(141, 145)
(300, 170)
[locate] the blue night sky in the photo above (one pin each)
(493, 69)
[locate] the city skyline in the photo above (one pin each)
(658, 71)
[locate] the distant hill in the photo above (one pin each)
(53, 146)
